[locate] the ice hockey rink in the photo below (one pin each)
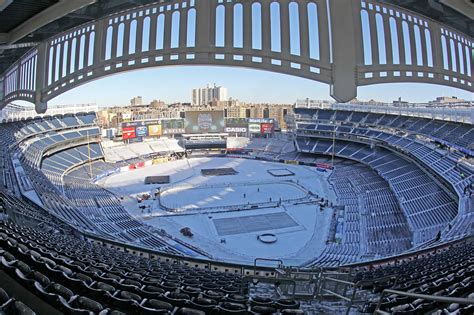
(227, 214)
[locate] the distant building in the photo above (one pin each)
(203, 96)
(157, 104)
(445, 100)
(235, 109)
(136, 101)
(400, 103)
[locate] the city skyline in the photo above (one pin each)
(174, 84)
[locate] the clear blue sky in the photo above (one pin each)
(173, 84)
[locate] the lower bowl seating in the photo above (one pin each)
(105, 281)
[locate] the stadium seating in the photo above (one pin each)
(9, 305)
(457, 134)
(449, 273)
(403, 194)
(48, 155)
(77, 277)
(427, 207)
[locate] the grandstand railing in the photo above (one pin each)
(68, 128)
(441, 299)
(294, 277)
(462, 114)
(242, 269)
(14, 112)
(337, 285)
(419, 253)
(382, 128)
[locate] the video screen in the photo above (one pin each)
(204, 122)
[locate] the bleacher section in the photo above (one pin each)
(372, 223)
(427, 207)
(104, 208)
(449, 164)
(449, 274)
(136, 152)
(75, 276)
(56, 165)
(47, 155)
(457, 134)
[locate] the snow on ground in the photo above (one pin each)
(237, 142)
(296, 243)
(118, 151)
(229, 194)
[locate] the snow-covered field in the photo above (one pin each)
(255, 200)
(229, 194)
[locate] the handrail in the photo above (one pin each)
(264, 259)
(339, 281)
(276, 281)
(326, 277)
(436, 298)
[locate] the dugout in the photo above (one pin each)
(153, 180)
(204, 141)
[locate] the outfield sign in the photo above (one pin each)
(154, 130)
(172, 126)
(261, 121)
(128, 133)
(254, 128)
(266, 128)
(236, 125)
(236, 129)
(141, 129)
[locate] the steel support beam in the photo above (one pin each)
(465, 7)
(3, 38)
(4, 4)
(344, 50)
(16, 46)
(40, 105)
(45, 17)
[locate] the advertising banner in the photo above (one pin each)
(204, 121)
(135, 140)
(148, 163)
(266, 128)
(324, 165)
(160, 160)
(128, 133)
(141, 131)
(154, 130)
(236, 125)
(254, 128)
(172, 126)
(126, 116)
(140, 123)
(261, 121)
(232, 121)
(236, 129)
